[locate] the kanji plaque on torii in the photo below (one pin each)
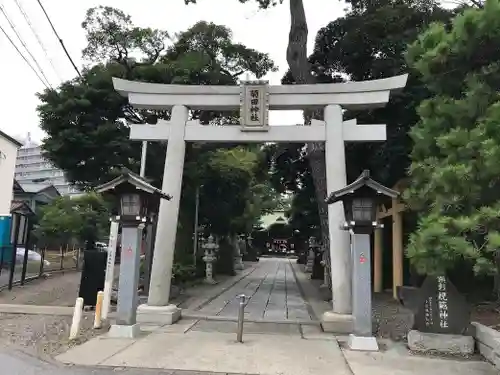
(254, 105)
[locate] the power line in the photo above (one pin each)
(12, 26)
(24, 58)
(35, 33)
(60, 40)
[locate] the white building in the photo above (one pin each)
(31, 166)
(8, 152)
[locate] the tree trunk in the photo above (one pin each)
(496, 285)
(296, 55)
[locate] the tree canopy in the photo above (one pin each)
(364, 44)
(83, 219)
(454, 170)
(87, 135)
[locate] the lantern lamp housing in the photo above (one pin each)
(138, 199)
(360, 200)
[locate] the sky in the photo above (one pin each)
(264, 30)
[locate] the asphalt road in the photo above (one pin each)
(15, 362)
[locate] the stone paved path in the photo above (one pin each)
(273, 291)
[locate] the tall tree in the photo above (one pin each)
(454, 171)
(88, 137)
(367, 43)
(298, 63)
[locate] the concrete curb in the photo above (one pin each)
(488, 343)
(44, 310)
(311, 295)
(187, 314)
(68, 310)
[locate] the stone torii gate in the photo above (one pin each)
(255, 99)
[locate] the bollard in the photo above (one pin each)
(77, 317)
(98, 310)
(241, 317)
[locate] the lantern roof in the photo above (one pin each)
(129, 177)
(364, 180)
(21, 208)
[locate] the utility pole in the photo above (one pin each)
(196, 220)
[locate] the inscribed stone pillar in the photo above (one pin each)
(163, 256)
(336, 179)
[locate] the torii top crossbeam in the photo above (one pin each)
(349, 95)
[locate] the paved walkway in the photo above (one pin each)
(273, 292)
(283, 339)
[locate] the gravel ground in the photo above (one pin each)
(58, 289)
(47, 336)
(44, 335)
(390, 318)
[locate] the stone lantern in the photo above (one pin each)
(136, 200)
(210, 247)
(312, 245)
(360, 200)
(239, 249)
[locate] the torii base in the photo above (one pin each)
(168, 315)
(362, 343)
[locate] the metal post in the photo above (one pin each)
(3, 248)
(241, 317)
(142, 173)
(42, 260)
(26, 238)
(14, 236)
(196, 219)
(78, 258)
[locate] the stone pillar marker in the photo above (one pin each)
(377, 261)
(126, 317)
(110, 267)
(361, 288)
(210, 247)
